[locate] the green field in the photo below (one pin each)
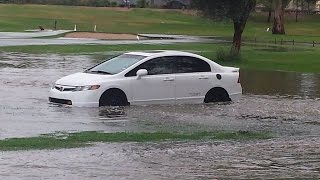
(263, 55)
(22, 17)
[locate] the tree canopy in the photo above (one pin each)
(236, 10)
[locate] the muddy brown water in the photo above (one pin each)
(286, 104)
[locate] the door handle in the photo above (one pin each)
(168, 79)
(203, 77)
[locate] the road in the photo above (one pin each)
(33, 38)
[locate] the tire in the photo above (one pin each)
(113, 97)
(217, 95)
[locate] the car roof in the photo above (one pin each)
(161, 53)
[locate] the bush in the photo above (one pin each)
(100, 3)
(113, 4)
(142, 3)
(227, 55)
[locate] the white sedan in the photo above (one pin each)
(152, 77)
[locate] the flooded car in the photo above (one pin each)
(154, 77)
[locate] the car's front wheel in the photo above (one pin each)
(113, 97)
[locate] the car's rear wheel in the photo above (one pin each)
(113, 97)
(217, 95)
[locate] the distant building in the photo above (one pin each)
(317, 8)
(292, 7)
(314, 7)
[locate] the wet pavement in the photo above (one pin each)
(68, 41)
(31, 34)
(32, 38)
(291, 113)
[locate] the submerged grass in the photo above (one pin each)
(253, 56)
(83, 139)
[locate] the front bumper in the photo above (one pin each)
(60, 101)
(75, 98)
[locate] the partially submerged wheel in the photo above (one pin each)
(217, 95)
(113, 97)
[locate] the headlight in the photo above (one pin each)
(64, 88)
(86, 88)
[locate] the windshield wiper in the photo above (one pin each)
(98, 72)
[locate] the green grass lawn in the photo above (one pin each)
(22, 17)
(301, 58)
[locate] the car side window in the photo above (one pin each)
(187, 64)
(156, 66)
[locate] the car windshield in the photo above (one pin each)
(116, 64)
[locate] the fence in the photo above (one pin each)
(287, 42)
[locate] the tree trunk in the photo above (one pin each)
(237, 37)
(239, 24)
(278, 24)
(297, 10)
(269, 15)
(270, 10)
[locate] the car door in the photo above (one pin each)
(156, 87)
(193, 79)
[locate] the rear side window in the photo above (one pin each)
(172, 64)
(156, 66)
(186, 64)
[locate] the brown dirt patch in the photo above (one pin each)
(104, 36)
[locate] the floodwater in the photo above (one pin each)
(286, 104)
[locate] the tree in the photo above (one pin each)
(278, 23)
(297, 8)
(236, 10)
(299, 4)
(269, 6)
(310, 2)
(142, 3)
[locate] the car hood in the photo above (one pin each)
(83, 79)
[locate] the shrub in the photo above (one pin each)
(227, 55)
(142, 3)
(113, 4)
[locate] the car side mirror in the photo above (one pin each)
(141, 72)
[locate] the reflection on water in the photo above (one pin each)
(277, 83)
